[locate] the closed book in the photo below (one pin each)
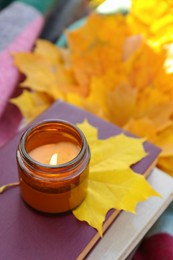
(27, 234)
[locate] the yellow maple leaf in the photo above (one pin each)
(106, 90)
(46, 70)
(158, 132)
(112, 184)
(94, 51)
(165, 163)
(139, 72)
(160, 115)
(153, 19)
(165, 140)
(149, 100)
(32, 104)
(131, 44)
(121, 103)
(49, 52)
(142, 127)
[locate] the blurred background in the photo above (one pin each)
(59, 14)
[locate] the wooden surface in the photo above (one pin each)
(128, 230)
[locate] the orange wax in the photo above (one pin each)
(66, 151)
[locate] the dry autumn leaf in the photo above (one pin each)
(112, 184)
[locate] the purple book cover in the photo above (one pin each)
(27, 234)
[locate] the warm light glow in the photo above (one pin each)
(111, 6)
(54, 159)
(169, 60)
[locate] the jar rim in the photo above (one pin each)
(66, 165)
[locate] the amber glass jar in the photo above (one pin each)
(53, 188)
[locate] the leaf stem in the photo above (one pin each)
(5, 187)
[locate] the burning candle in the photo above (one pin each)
(53, 162)
(57, 153)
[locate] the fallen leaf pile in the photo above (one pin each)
(112, 183)
(117, 67)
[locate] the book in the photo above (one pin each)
(126, 233)
(27, 234)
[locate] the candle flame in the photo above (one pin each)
(54, 159)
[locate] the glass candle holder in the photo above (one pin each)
(53, 164)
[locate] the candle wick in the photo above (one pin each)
(5, 187)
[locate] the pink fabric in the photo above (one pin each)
(9, 75)
(158, 246)
(9, 78)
